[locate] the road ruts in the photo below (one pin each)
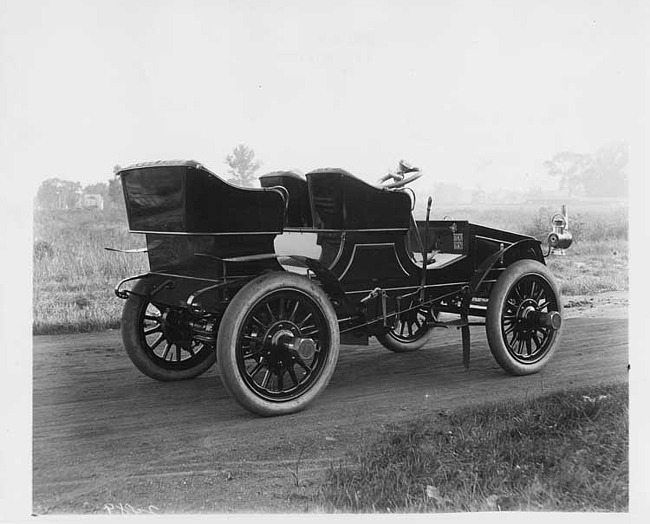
(105, 434)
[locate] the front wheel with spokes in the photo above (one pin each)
(158, 338)
(278, 344)
(524, 317)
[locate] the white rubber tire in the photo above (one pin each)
(230, 332)
(502, 351)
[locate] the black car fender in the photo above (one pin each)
(526, 248)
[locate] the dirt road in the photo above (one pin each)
(109, 440)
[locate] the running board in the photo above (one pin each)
(454, 323)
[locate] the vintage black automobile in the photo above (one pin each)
(269, 282)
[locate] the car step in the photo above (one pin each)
(459, 323)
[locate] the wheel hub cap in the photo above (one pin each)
(174, 330)
(283, 342)
(305, 347)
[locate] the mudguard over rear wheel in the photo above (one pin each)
(278, 344)
(524, 317)
(157, 338)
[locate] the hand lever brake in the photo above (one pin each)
(425, 250)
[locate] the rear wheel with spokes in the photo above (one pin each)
(278, 344)
(524, 317)
(158, 338)
(410, 331)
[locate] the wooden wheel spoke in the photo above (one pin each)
(258, 322)
(167, 349)
(253, 353)
(304, 320)
(518, 291)
(265, 380)
(157, 342)
(302, 364)
(282, 307)
(271, 315)
(292, 316)
(292, 373)
(256, 369)
(155, 329)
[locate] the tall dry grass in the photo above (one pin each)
(74, 276)
(598, 259)
(587, 223)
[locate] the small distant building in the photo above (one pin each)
(92, 201)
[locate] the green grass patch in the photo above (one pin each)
(562, 452)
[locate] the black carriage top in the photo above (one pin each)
(185, 197)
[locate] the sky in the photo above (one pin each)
(476, 93)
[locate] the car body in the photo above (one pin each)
(270, 281)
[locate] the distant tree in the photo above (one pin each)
(55, 193)
(570, 168)
(115, 193)
(602, 174)
(606, 173)
(242, 166)
(47, 196)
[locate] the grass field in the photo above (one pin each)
(563, 452)
(74, 276)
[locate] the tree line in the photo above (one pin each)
(57, 193)
(599, 174)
